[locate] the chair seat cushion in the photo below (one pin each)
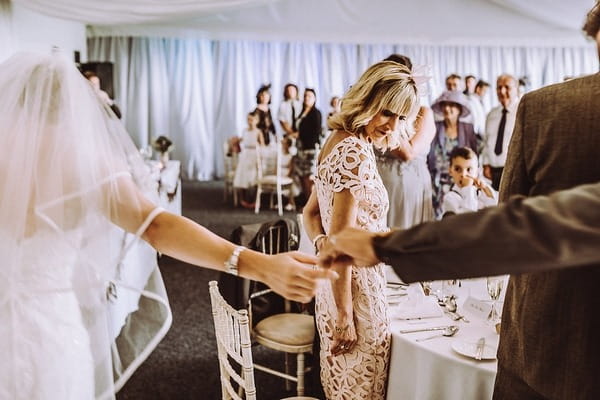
(287, 329)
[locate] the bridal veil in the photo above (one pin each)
(68, 173)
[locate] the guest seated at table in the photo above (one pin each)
(351, 313)
(73, 175)
(468, 192)
(246, 172)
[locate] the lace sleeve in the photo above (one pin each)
(352, 167)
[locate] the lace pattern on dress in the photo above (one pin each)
(361, 373)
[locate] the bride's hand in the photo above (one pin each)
(344, 335)
(293, 274)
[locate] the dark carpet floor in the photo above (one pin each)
(184, 365)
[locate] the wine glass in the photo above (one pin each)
(427, 288)
(494, 288)
(146, 152)
(450, 288)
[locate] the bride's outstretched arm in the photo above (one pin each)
(289, 274)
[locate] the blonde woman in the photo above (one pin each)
(351, 313)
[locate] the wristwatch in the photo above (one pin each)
(231, 265)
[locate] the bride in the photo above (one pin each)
(69, 174)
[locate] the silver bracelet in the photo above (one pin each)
(316, 241)
(231, 265)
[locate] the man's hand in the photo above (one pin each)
(487, 171)
(351, 246)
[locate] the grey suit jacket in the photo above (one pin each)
(551, 320)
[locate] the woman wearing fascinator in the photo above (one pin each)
(351, 313)
(404, 169)
(451, 132)
(74, 175)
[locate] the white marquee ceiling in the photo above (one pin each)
(497, 22)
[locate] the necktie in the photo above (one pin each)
(500, 136)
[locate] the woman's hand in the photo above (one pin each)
(404, 151)
(292, 274)
(487, 171)
(344, 334)
(351, 246)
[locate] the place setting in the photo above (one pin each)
(453, 317)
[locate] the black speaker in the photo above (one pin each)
(104, 71)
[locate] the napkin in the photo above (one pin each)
(417, 305)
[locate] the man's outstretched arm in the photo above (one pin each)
(521, 235)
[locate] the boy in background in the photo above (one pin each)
(468, 192)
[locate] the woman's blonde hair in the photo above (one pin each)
(386, 85)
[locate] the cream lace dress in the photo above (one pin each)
(361, 373)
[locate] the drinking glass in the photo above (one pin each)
(450, 288)
(146, 152)
(494, 288)
(427, 288)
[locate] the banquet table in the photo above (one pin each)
(432, 369)
(168, 184)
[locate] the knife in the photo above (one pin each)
(437, 328)
(480, 347)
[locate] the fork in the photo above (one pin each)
(480, 347)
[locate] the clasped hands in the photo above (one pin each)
(351, 246)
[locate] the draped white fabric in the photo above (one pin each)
(198, 91)
(107, 12)
(449, 22)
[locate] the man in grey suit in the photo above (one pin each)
(550, 346)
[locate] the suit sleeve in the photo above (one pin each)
(520, 236)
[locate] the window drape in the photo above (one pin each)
(198, 91)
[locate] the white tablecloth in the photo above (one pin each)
(432, 369)
(168, 184)
(141, 260)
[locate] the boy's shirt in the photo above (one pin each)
(466, 199)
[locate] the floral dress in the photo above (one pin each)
(362, 372)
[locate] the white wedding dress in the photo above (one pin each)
(362, 372)
(73, 173)
(44, 343)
